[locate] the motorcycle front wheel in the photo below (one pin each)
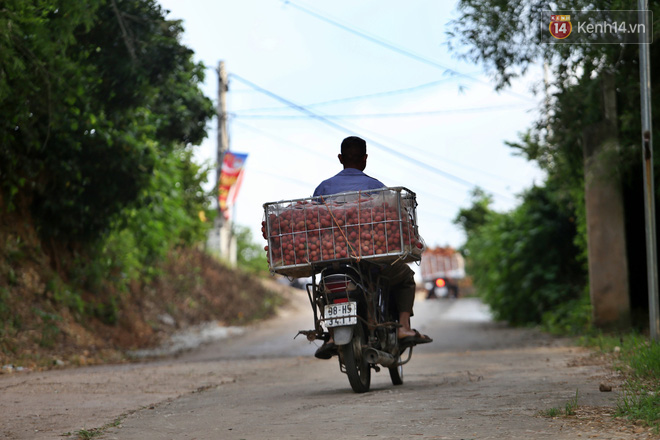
(357, 368)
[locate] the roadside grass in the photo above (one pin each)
(571, 405)
(84, 434)
(638, 402)
(87, 434)
(552, 412)
(569, 408)
(638, 359)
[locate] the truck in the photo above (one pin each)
(441, 269)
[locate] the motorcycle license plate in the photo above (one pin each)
(341, 314)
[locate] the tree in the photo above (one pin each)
(504, 35)
(250, 256)
(524, 263)
(471, 219)
(93, 94)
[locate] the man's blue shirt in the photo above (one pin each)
(348, 179)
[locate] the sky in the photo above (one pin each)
(306, 74)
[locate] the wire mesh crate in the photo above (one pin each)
(306, 234)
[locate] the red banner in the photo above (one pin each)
(230, 180)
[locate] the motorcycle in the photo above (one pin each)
(343, 242)
(352, 305)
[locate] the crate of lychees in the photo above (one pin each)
(306, 234)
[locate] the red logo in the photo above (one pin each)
(560, 26)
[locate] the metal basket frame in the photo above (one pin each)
(338, 206)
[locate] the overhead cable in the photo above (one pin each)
(329, 122)
(382, 115)
(355, 98)
(402, 51)
(316, 153)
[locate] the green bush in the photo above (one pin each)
(524, 263)
(48, 330)
(570, 318)
(251, 256)
(166, 215)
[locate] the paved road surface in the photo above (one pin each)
(477, 380)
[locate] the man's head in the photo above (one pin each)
(353, 153)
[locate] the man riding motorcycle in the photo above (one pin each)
(353, 157)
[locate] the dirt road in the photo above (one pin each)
(478, 380)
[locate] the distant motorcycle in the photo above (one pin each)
(441, 288)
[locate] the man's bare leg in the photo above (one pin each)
(405, 329)
(406, 333)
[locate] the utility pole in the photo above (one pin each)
(221, 236)
(647, 156)
(223, 137)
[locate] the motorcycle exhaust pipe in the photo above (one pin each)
(374, 356)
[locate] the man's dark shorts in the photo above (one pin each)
(402, 285)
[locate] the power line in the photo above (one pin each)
(390, 46)
(309, 186)
(415, 148)
(375, 143)
(315, 153)
(382, 115)
(278, 139)
(408, 146)
(356, 98)
(419, 150)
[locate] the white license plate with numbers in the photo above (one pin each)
(341, 314)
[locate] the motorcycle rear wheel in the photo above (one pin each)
(396, 373)
(357, 368)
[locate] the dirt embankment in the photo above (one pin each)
(46, 323)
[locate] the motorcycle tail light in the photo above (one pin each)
(340, 300)
(440, 282)
(337, 283)
(337, 286)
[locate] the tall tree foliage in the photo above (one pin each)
(95, 95)
(505, 36)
